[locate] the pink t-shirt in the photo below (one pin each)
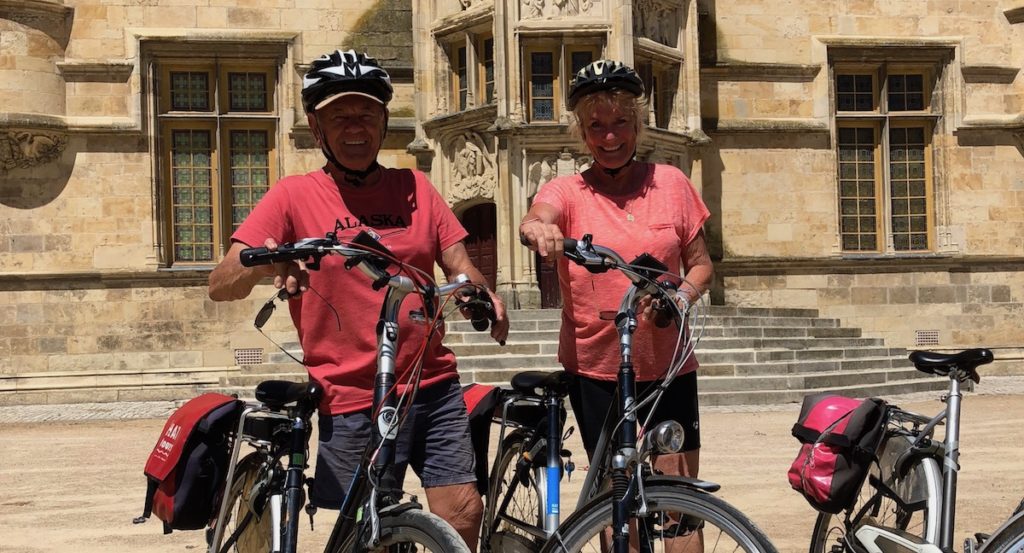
(661, 218)
(414, 223)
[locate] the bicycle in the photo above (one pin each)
(670, 512)
(261, 507)
(908, 500)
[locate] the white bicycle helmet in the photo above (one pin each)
(337, 73)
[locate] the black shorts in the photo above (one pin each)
(434, 440)
(592, 400)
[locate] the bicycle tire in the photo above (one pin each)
(1009, 540)
(734, 531)
(525, 504)
(410, 531)
(921, 486)
(251, 531)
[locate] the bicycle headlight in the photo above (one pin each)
(667, 437)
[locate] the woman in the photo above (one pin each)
(632, 207)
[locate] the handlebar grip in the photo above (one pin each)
(252, 257)
(569, 244)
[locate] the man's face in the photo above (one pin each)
(353, 127)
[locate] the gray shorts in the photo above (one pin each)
(434, 440)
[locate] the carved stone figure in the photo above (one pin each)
(473, 175)
(21, 149)
(543, 168)
(534, 9)
(656, 21)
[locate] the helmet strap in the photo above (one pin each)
(612, 172)
(353, 177)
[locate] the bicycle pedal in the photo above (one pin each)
(970, 546)
(569, 468)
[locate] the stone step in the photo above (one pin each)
(511, 348)
(769, 397)
(791, 367)
(457, 325)
(816, 380)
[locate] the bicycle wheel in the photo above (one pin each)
(920, 491)
(505, 531)
(411, 531)
(678, 519)
(1009, 540)
(246, 529)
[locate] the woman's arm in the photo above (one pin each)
(539, 231)
(698, 269)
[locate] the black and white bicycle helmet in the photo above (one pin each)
(340, 72)
(604, 75)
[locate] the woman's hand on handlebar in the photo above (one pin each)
(543, 238)
(290, 275)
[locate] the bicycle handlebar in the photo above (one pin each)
(373, 259)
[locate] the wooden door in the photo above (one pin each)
(481, 224)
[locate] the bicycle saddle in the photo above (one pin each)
(528, 381)
(275, 394)
(942, 363)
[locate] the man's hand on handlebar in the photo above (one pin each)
(290, 275)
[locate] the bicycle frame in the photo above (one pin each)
(379, 492)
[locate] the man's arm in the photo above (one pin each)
(230, 280)
(455, 260)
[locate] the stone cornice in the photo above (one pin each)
(96, 279)
(989, 73)
(552, 28)
(865, 264)
(115, 71)
(51, 8)
(740, 71)
(463, 21)
(657, 51)
(1015, 15)
(473, 117)
(993, 122)
(765, 125)
(62, 124)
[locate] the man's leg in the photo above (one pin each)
(443, 457)
(460, 505)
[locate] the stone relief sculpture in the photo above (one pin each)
(473, 174)
(657, 21)
(22, 149)
(542, 168)
(536, 9)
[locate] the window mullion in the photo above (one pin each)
(885, 195)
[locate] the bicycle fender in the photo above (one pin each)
(554, 545)
(998, 531)
(395, 510)
(693, 483)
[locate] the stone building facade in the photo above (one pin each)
(863, 158)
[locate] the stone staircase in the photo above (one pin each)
(748, 356)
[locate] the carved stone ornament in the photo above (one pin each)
(22, 149)
(473, 173)
(546, 9)
(543, 167)
(657, 21)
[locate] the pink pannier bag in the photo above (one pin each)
(840, 438)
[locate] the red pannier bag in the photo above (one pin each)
(187, 468)
(481, 401)
(840, 437)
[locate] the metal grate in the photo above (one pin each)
(249, 356)
(926, 337)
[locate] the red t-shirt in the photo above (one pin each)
(414, 223)
(661, 218)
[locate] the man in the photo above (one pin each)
(345, 96)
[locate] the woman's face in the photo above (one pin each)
(609, 130)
